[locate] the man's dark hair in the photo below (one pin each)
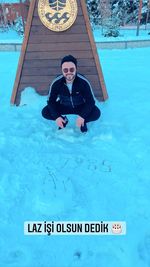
(69, 58)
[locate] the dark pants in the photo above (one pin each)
(64, 110)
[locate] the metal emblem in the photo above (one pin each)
(57, 15)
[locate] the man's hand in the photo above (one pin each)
(80, 122)
(60, 121)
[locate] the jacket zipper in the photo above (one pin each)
(71, 100)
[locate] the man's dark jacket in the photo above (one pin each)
(80, 97)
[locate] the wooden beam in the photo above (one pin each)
(139, 16)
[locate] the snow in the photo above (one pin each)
(48, 174)
(10, 37)
(127, 33)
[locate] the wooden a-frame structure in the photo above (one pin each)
(43, 49)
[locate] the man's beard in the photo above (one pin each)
(70, 77)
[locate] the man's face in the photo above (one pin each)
(69, 71)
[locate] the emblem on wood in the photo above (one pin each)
(57, 15)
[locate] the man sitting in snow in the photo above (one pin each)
(71, 93)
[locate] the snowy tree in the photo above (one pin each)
(148, 14)
(18, 26)
(127, 10)
(145, 12)
(109, 21)
(100, 13)
(94, 11)
(10, 14)
(3, 19)
(121, 11)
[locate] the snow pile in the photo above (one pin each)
(48, 174)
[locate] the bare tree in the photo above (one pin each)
(147, 15)
(139, 16)
(3, 17)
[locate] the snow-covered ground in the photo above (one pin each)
(125, 34)
(10, 36)
(46, 174)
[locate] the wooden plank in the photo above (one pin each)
(86, 62)
(36, 79)
(54, 71)
(81, 46)
(46, 63)
(58, 55)
(44, 31)
(41, 71)
(26, 79)
(29, 63)
(54, 38)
